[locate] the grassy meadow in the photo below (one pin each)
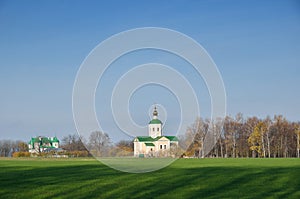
(185, 178)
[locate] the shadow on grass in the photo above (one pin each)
(95, 180)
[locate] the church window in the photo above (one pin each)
(165, 146)
(160, 146)
(157, 129)
(153, 129)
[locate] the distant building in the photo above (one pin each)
(156, 144)
(43, 144)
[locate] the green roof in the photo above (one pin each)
(150, 139)
(43, 140)
(157, 138)
(172, 138)
(55, 139)
(33, 140)
(145, 139)
(155, 121)
(149, 144)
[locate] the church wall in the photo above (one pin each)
(143, 147)
(139, 148)
(164, 143)
(150, 152)
(55, 144)
(155, 130)
(136, 148)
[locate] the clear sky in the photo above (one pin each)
(255, 44)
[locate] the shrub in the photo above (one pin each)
(20, 154)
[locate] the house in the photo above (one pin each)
(156, 144)
(43, 144)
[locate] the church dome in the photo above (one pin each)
(155, 121)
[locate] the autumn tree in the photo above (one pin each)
(239, 137)
(22, 146)
(283, 136)
(256, 140)
(248, 128)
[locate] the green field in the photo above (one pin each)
(185, 178)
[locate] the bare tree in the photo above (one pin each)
(297, 132)
(126, 145)
(194, 138)
(7, 147)
(73, 142)
(231, 128)
(201, 128)
(217, 131)
(268, 123)
(99, 143)
(122, 148)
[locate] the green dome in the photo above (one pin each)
(55, 139)
(155, 121)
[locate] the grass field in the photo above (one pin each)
(185, 178)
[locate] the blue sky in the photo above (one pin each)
(255, 44)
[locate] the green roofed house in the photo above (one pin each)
(43, 144)
(156, 144)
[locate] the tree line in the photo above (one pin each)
(99, 144)
(73, 145)
(8, 147)
(233, 137)
(244, 137)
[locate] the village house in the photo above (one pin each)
(43, 144)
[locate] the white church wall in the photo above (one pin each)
(155, 130)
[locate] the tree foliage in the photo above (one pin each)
(256, 139)
(245, 137)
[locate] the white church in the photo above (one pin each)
(156, 144)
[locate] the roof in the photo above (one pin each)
(45, 140)
(155, 121)
(42, 140)
(150, 139)
(172, 138)
(149, 144)
(55, 139)
(33, 140)
(145, 139)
